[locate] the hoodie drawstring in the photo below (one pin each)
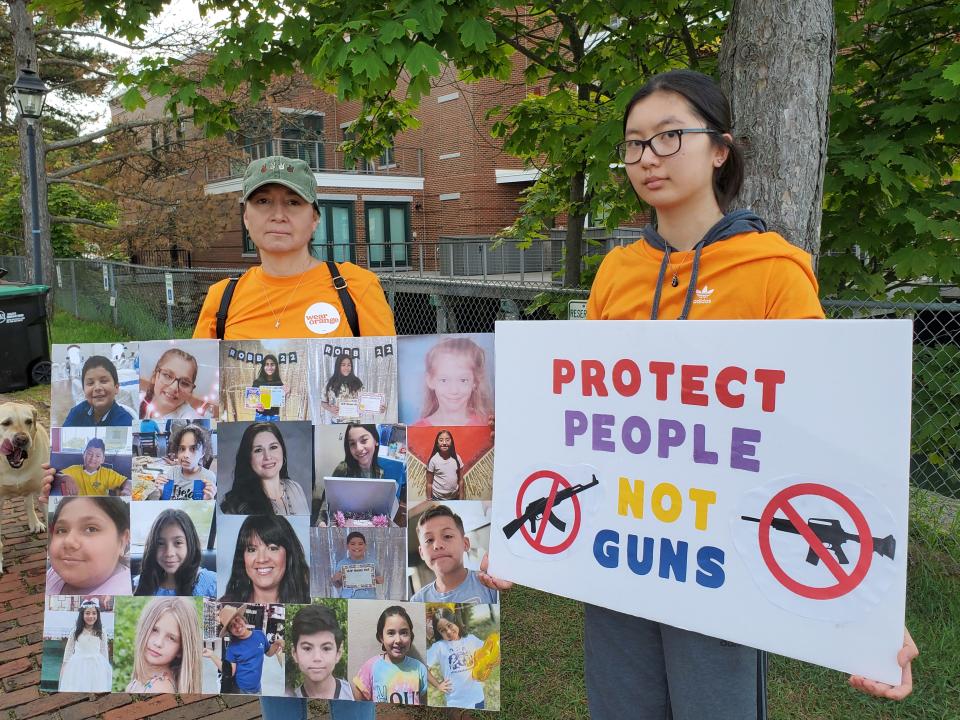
(663, 273)
(691, 288)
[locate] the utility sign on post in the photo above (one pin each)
(577, 310)
(168, 281)
(106, 278)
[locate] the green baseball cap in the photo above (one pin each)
(289, 172)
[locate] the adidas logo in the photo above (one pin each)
(703, 296)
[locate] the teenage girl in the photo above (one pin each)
(456, 388)
(683, 163)
(444, 469)
(167, 648)
(171, 559)
(269, 376)
(86, 660)
(393, 676)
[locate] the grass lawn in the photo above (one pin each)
(542, 671)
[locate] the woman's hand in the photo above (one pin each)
(49, 472)
(490, 581)
(445, 686)
(892, 692)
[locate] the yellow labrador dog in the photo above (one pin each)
(24, 447)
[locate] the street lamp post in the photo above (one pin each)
(30, 92)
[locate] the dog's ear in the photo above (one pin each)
(36, 419)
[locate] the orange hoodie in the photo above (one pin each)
(748, 276)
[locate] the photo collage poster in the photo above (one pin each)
(296, 517)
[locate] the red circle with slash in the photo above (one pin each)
(845, 581)
(536, 542)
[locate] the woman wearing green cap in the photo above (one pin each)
(291, 294)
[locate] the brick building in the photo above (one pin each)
(448, 177)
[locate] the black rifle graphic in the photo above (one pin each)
(535, 510)
(831, 534)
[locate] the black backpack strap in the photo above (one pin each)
(349, 308)
(225, 305)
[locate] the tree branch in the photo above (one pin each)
(80, 140)
(118, 193)
(61, 220)
(74, 169)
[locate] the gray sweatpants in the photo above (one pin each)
(644, 670)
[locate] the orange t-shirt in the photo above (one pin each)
(308, 306)
(750, 276)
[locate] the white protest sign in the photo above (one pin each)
(746, 480)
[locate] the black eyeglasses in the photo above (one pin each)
(662, 144)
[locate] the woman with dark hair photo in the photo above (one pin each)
(342, 387)
(171, 559)
(268, 376)
(86, 659)
(261, 481)
(269, 565)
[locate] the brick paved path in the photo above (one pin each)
(21, 628)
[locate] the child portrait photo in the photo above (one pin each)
(263, 380)
(179, 380)
(94, 385)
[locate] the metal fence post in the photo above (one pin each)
(113, 293)
(73, 282)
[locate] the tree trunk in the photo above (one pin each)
(25, 54)
(776, 66)
(573, 243)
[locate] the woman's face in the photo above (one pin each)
(448, 630)
(189, 451)
(90, 616)
(345, 365)
(85, 546)
(278, 220)
(171, 548)
(679, 179)
(269, 367)
(265, 565)
(266, 455)
(99, 389)
(163, 641)
(362, 446)
(396, 638)
(173, 382)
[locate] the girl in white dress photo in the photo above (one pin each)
(86, 660)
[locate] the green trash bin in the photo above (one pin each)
(24, 339)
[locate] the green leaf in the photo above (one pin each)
(952, 72)
(422, 58)
(477, 33)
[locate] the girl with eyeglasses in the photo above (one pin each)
(700, 261)
(169, 391)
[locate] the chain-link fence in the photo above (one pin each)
(136, 299)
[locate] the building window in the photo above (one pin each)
(334, 237)
(387, 159)
(301, 136)
(388, 234)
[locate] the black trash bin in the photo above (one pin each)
(24, 340)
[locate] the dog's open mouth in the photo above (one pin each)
(15, 454)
